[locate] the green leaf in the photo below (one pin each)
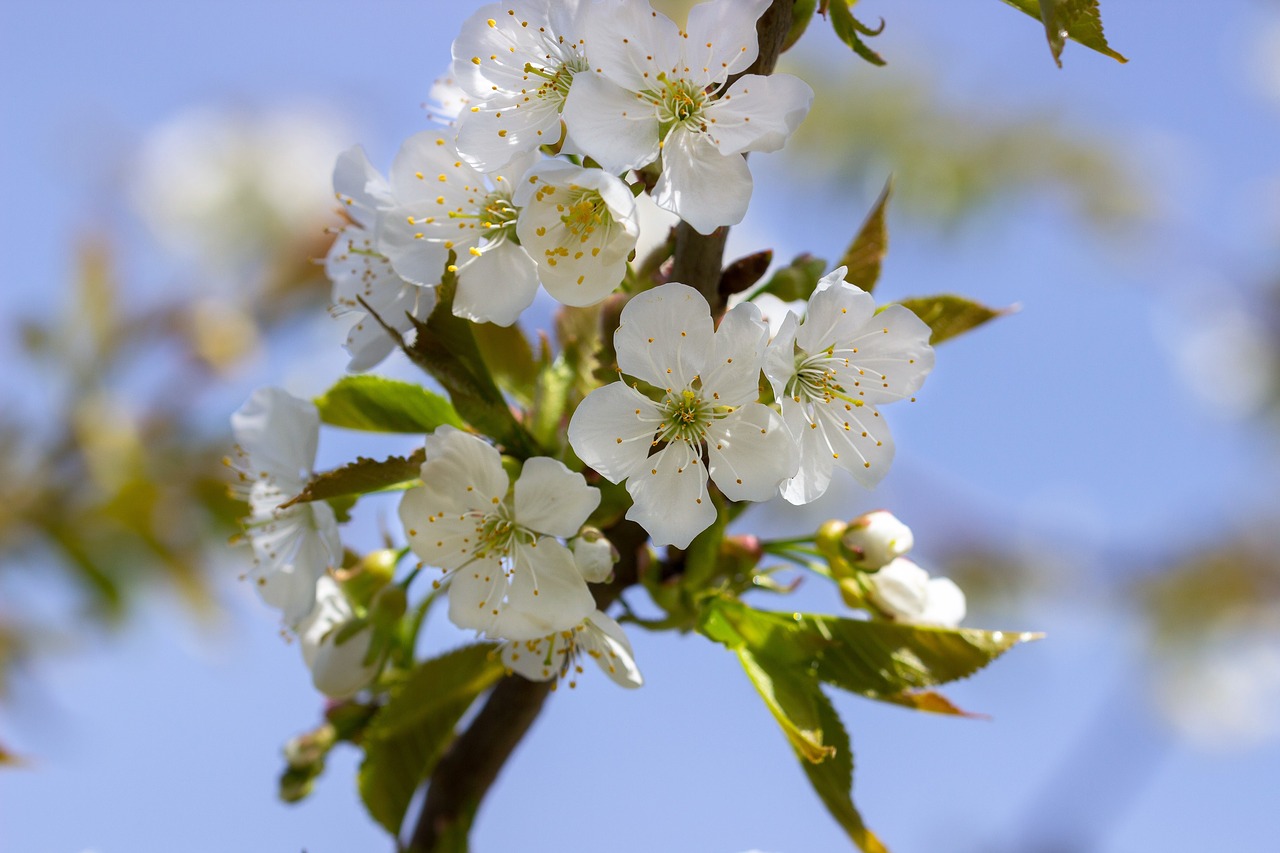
(446, 348)
(832, 780)
(866, 253)
(509, 357)
(1078, 20)
(790, 696)
(850, 30)
(384, 405)
(411, 732)
(949, 315)
(929, 701)
(360, 478)
(879, 660)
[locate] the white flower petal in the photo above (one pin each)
(894, 351)
(664, 336)
(413, 248)
(722, 38)
(750, 453)
(779, 363)
(758, 113)
(858, 438)
(461, 464)
(497, 285)
(612, 430)
(836, 314)
(594, 558)
(541, 659)
(442, 536)
(603, 640)
(703, 187)
(616, 127)
(631, 44)
(816, 463)
(491, 133)
(733, 375)
(670, 497)
(476, 595)
(418, 165)
(900, 589)
(547, 593)
(279, 432)
(359, 186)
(551, 499)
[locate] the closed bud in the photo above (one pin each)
(904, 592)
(362, 581)
(594, 555)
(874, 540)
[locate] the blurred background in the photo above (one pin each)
(1100, 465)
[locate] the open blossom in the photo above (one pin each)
(831, 371)
(363, 278)
(655, 92)
(906, 593)
(338, 669)
(516, 61)
(510, 576)
(580, 226)
(438, 204)
(276, 435)
(707, 402)
(559, 655)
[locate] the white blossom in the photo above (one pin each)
(906, 593)
(440, 205)
(509, 575)
(363, 278)
(560, 654)
(707, 402)
(580, 226)
(654, 92)
(338, 669)
(276, 436)
(877, 538)
(832, 370)
(516, 61)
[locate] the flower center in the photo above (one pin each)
(685, 417)
(499, 533)
(816, 379)
(585, 212)
(679, 102)
(556, 81)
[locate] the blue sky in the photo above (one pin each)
(1070, 420)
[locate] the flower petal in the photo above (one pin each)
(670, 497)
(894, 351)
(699, 184)
(733, 375)
(722, 38)
(779, 363)
(279, 432)
(836, 314)
(547, 593)
(359, 186)
(944, 604)
(541, 659)
(551, 499)
(617, 127)
(665, 336)
(440, 536)
(631, 44)
(492, 132)
(612, 430)
(495, 286)
(813, 476)
(603, 640)
(758, 113)
(476, 593)
(750, 453)
(465, 468)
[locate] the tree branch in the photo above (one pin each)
(472, 762)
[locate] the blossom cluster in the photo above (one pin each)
(564, 114)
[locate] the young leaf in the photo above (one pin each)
(408, 736)
(1078, 20)
(792, 697)
(360, 478)
(850, 30)
(509, 357)
(949, 315)
(867, 251)
(384, 405)
(832, 780)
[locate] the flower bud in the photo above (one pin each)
(875, 539)
(594, 555)
(375, 570)
(905, 593)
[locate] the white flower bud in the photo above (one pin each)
(876, 539)
(594, 556)
(337, 668)
(906, 593)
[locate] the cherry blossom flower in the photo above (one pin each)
(580, 226)
(559, 654)
(440, 205)
(509, 575)
(336, 659)
(877, 538)
(906, 593)
(655, 92)
(706, 393)
(831, 371)
(363, 278)
(276, 435)
(517, 61)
